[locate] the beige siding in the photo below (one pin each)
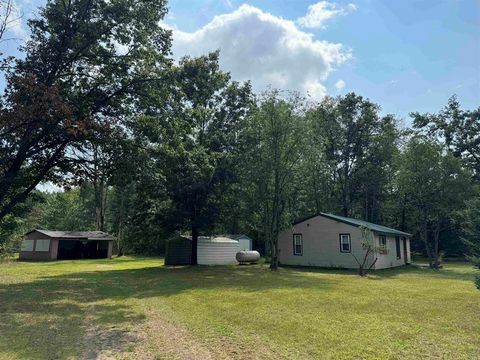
(409, 255)
(321, 244)
(389, 259)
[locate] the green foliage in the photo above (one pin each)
(276, 133)
(370, 250)
(477, 281)
(352, 150)
(435, 186)
(469, 221)
(475, 260)
(71, 210)
(16, 224)
(84, 68)
(150, 147)
(459, 129)
(193, 150)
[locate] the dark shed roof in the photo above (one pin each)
(90, 235)
(382, 230)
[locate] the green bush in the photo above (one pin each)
(475, 260)
(477, 281)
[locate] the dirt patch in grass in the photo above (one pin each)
(163, 338)
(103, 343)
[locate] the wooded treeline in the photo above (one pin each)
(145, 147)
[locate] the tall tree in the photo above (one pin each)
(469, 221)
(435, 186)
(193, 144)
(458, 128)
(86, 66)
(96, 162)
(357, 147)
(277, 133)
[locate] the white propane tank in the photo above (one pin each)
(250, 256)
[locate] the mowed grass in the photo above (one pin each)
(136, 308)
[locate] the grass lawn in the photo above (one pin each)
(135, 308)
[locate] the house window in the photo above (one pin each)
(345, 243)
(297, 244)
(397, 245)
(27, 245)
(382, 239)
(42, 245)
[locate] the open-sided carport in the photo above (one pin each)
(62, 245)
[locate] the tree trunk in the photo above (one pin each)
(104, 204)
(344, 203)
(436, 238)
(427, 246)
(274, 257)
(6, 208)
(99, 188)
(194, 245)
(402, 221)
(120, 239)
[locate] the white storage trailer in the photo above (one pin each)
(217, 251)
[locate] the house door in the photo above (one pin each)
(405, 258)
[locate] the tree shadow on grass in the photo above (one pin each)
(84, 313)
(448, 272)
(459, 271)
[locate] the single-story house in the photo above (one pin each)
(327, 240)
(61, 245)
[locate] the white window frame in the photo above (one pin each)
(297, 241)
(349, 242)
(382, 247)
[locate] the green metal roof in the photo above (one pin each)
(382, 230)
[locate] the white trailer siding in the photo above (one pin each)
(217, 251)
(409, 255)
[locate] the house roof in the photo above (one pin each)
(382, 230)
(89, 235)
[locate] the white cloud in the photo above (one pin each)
(340, 84)
(322, 11)
(269, 50)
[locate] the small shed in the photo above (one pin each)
(245, 243)
(178, 251)
(217, 251)
(61, 245)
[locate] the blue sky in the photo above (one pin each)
(407, 55)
